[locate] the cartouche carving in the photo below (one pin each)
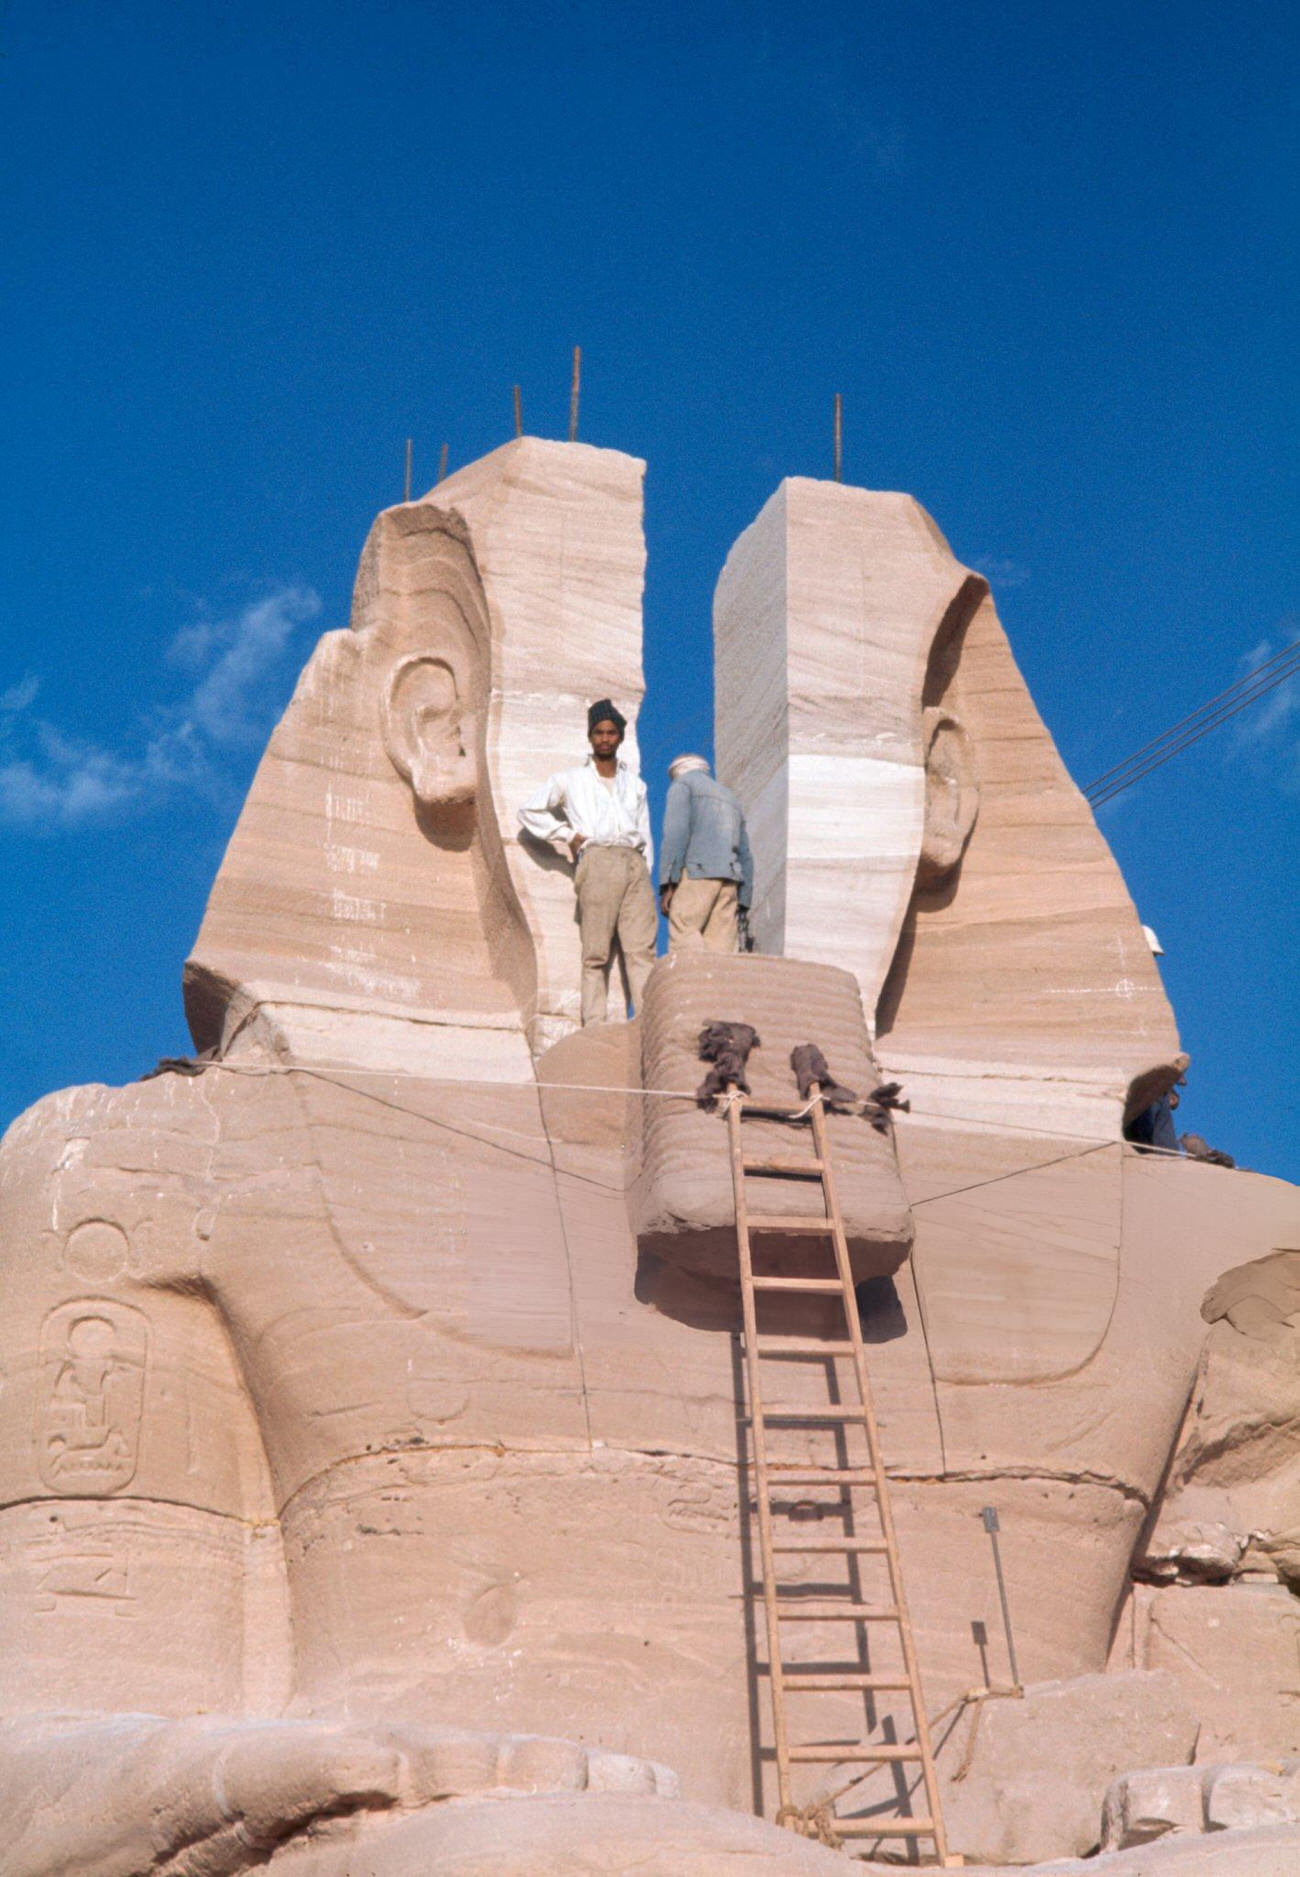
(94, 1356)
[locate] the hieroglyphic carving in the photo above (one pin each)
(69, 1567)
(89, 1410)
(96, 1251)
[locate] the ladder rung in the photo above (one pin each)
(779, 1168)
(753, 1106)
(815, 1414)
(801, 1346)
(818, 1475)
(821, 1284)
(849, 1754)
(815, 1612)
(786, 1222)
(885, 1828)
(830, 1544)
(820, 1684)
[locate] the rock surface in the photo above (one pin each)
(1167, 1800)
(1239, 1798)
(1271, 1851)
(1153, 1803)
(558, 541)
(153, 1796)
(872, 720)
(1236, 1650)
(1040, 1767)
(345, 927)
(563, 1837)
(1232, 1505)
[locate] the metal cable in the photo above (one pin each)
(1190, 729)
(1258, 672)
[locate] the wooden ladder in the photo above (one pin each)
(794, 1679)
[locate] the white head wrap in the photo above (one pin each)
(683, 765)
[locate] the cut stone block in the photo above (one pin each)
(1236, 1650)
(686, 1214)
(1041, 1766)
(1238, 1798)
(1152, 1803)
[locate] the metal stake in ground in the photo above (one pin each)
(839, 438)
(442, 462)
(519, 412)
(406, 483)
(991, 1526)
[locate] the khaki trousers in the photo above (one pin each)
(703, 912)
(615, 902)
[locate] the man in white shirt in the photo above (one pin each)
(598, 813)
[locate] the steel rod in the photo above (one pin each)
(573, 394)
(991, 1526)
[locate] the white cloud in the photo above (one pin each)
(192, 646)
(1270, 727)
(1001, 573)
(1278, 708)
(61, 798)
(50, 781)
(225, 704)
(20, 696)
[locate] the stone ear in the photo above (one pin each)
(429, 733)
(951, 796)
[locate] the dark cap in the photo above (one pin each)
(604, 711)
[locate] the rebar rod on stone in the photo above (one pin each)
(992, 1527)
(574, 389)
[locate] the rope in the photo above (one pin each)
(575, 1317)
(320, 1069)
(817, 1818)
(320, 1073)
(815, 1821)
(325, 1071)
(729, 1098)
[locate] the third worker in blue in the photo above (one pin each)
(706, 871)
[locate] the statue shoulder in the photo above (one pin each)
(103, 1184)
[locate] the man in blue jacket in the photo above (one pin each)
(706, 871)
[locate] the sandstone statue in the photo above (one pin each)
(374, 1484)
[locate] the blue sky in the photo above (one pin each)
(1048, 255)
